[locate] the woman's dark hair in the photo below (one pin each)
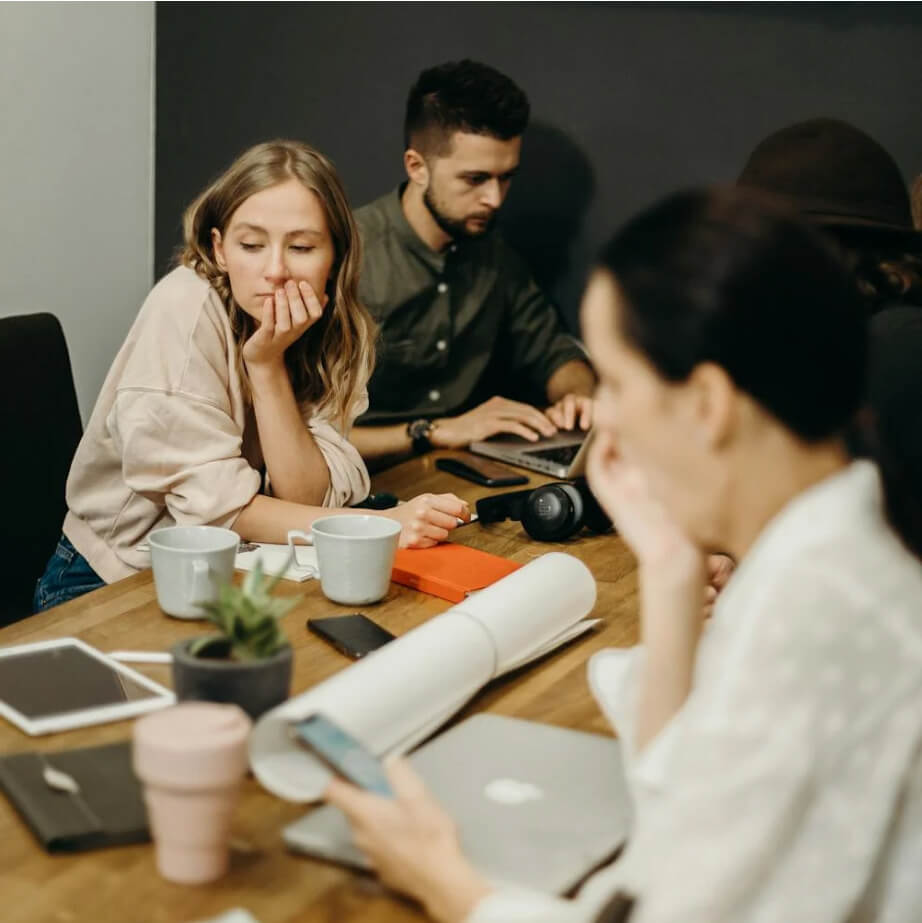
(462, 96)
(724, 276)
(729, 277)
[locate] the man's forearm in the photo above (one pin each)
(573, 377)
(383, 445)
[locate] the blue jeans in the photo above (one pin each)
(67, 576)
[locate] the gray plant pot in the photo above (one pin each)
(255, 685)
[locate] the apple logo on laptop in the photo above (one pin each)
(512, 791)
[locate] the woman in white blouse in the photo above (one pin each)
(774, 752)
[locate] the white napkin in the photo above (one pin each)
(274, 558)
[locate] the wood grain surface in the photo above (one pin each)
(122, 885)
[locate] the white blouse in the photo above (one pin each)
(789, 784)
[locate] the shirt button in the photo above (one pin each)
(453, 248)
(442, 288)
(434, 395)
(441, 346)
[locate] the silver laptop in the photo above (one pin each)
(560, 456)
(536, 805)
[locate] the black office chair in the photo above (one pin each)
(40, 427)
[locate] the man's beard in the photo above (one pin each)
(454, 227)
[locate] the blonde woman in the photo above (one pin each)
(231, 400)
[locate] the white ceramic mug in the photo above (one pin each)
(190, 565)
(355, 555)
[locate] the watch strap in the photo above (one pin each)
(419, 432)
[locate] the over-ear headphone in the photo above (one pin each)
(549, 513)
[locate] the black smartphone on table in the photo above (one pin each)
(354, 635)
(481, 471)
(341, 752)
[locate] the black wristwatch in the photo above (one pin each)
(419, 432)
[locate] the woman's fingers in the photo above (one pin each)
(405, 781)
(438, 519)
(356, 804)
(434, 534)
(282, 313)
(448, 503)
(296, 306)
(267, 324)
(266, 329)
(428, 518)
(313, 307)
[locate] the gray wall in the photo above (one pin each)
(76, 172)
(629, 100)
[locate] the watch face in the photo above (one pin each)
(419, 429)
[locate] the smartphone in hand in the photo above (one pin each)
(341, 753)
(480, 471)
(354, 635)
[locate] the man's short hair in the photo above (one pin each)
(462, 96)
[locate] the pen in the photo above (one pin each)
(462, 522)
(142, 656)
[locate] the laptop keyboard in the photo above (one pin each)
(561, 455)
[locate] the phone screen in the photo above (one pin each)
(480, 471)
(493, 470)
(353, 635)
(342, 753)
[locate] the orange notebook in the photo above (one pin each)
(449, 571)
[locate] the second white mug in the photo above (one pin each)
(355, 555)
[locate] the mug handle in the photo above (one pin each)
(201, 586)
(307, 538)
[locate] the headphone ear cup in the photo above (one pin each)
(553, 512)
(594, 517)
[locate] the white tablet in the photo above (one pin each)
(58, 685)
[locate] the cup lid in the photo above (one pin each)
(193, 744)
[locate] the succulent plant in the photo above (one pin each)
(248, 618)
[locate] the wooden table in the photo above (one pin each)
(121, 884)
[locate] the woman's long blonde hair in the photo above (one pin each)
(332, 362)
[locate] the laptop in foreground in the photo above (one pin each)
(536, 805)
(560, 456)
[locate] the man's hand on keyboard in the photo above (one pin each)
(572, 411)
(497, 415)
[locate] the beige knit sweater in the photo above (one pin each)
(172, 440)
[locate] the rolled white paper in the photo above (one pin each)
(406, 689)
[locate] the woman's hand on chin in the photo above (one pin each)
(720, 569)
(641, 520)
(286, 317)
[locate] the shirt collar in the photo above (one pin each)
(402, 228)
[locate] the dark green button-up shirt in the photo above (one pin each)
(454, 326)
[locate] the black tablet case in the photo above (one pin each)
(108, 811)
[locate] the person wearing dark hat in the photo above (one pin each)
(915, 196)
(841, 179)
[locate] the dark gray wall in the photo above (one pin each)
(629, 101)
